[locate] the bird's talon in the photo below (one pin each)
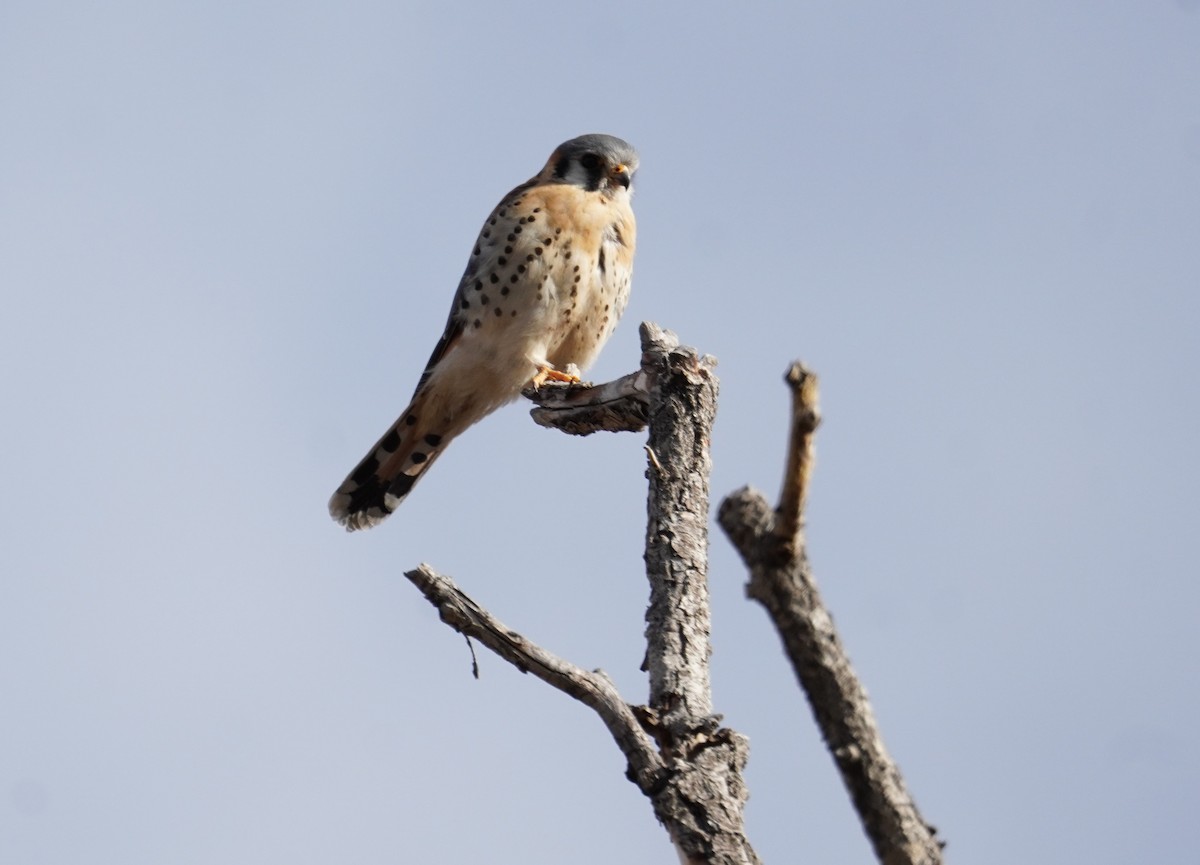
(548, 373)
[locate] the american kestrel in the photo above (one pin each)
(544, 286)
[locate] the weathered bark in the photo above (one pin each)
(702, 803)
(772, 544)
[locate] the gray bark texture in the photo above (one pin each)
(772, 544)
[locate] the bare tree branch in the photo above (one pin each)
(594, 690)
(679, 755)
(683, 405)
(581, 409)
(773, 546)
(806, 417)
(702, 805)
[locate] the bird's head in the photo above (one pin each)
(597, 163)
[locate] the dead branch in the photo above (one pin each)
(582, 409)
(772, 544)
(679, 755)
(595, 690)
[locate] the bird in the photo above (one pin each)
(545, 284)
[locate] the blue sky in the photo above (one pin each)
(229, 235)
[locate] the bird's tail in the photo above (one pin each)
(389, 471)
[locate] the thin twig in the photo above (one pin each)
(806, 417)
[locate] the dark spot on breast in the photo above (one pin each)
(411, 419)
(478, 324)
(502, 261)
(433, 440)
(504, 289)
(493, 278)
(600, 261)
(418, 457)
(391, 441)
(499, 312)
(483, 298)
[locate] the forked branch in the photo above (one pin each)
(772, 544)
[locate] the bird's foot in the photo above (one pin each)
(549, 373)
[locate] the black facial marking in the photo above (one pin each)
(594, 166)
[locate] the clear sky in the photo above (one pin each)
(229, 236)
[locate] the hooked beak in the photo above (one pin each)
(621, 175)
